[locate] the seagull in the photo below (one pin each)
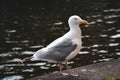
(64, 48)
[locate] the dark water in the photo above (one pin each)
(26, 27)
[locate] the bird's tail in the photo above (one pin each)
(27, 59)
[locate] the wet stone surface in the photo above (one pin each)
(98, 71)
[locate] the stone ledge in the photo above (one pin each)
(98, 71)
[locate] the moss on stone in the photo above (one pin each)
(113, 77)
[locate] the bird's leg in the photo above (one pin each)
(60, 64)
(61, 67)
(69, 70)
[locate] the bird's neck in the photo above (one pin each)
(75, 30)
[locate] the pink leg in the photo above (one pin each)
(64, 74)
(61, 68)
(69, 70)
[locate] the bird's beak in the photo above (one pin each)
(84, 22)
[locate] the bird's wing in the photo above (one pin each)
(58, 52)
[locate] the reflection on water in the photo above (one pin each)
(24, 35)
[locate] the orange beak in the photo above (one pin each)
(84, 22)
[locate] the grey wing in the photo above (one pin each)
(58, 52)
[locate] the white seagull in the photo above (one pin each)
(64, 48)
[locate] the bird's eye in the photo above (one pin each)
(75, 18)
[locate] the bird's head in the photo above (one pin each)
(76, 20)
